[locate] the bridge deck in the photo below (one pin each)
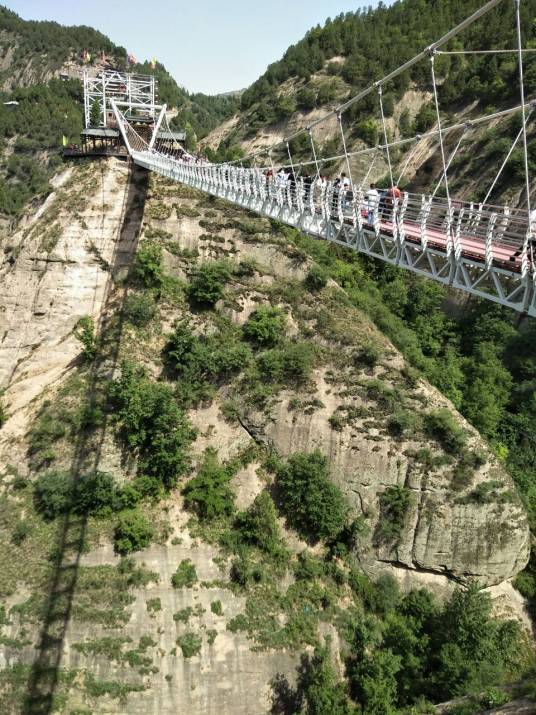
(484, 250)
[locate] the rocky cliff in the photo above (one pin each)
(118, 638)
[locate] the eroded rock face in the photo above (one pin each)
(446, 531)
(86, 234)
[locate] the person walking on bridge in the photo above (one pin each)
(345, 188)
(373, 200)
(392, 196)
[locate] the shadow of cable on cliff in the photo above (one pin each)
(65, 558)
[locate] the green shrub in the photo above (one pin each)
(3, 412)
(494, 697)
(464, 470)
(183, 616)
(247, 268)
(90, 417)
(53, 493)
(185, 575)
(208, 283)
(190, 644)
(211, 636)
(132, 532)
(320, 688)
(258, 525)
(209, 493)
(153, 605)
(442, 426)
(317, 278)
(20, 532)
(395, 503)
(369, 355)
(314, 506)
(216, 608)
(139, 309)
(85, 332)
(152, 424)
(290, 364)
(95, 493)
(204, 359)
(52, 424)
(266, 325)
(337, 421)
(367, 130)
(129, 495)
(401, 421)
(148, 267)
(246, 572)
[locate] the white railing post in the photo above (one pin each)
(426, 207)
(489, 240)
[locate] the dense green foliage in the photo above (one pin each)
(53, 494)
(415, 649)
(185, 575)
(95, 493)
(85, 332)
(132, 532)
(209, 493)
(441, 425)
(201, 361)
(148, 267)
(289, 364)
(317, 278)
(208, 283)
(44, 114)
(190, 644)
(258, 525)
(203, 113)
(153, 425)
(55, 41)
(265, 326)
(139, 309)
(318, 690)
(375, 41)
(313, 505)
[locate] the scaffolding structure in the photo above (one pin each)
(137, 93)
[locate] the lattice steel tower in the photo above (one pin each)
(135, 92)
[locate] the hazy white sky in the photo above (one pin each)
(208, 45)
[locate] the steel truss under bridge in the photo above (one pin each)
(412, 234)
(136, 93)
(480, 248)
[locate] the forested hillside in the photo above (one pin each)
(357, 48)
(32, 55)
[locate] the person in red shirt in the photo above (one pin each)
(393, 194)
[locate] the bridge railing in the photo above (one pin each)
(493, 235)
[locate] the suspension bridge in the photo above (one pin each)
(482, 249)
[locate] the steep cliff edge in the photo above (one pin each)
(381, 426)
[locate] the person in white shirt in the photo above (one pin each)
(345, 188)
(281, 179)
(373, 199)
